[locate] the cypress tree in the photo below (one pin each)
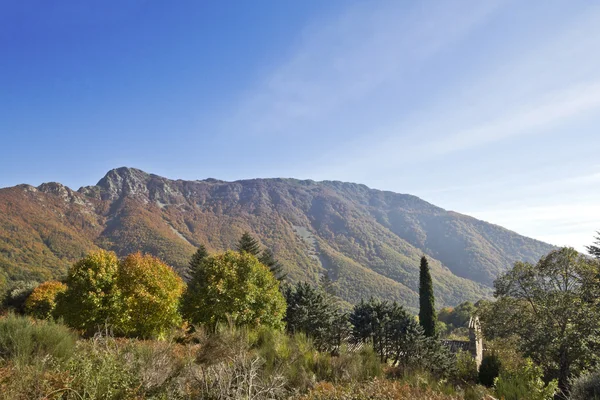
(248, 244)
(427, 317)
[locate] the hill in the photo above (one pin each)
(369, 241)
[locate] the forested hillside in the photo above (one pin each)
(369, 241)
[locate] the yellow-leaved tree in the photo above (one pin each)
(136, 297)
(42, 301)
(150, 292)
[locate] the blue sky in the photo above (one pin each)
(489, 108)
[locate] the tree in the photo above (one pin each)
(249, 245)
(42, 301)
(236, 287)
(387, 326)
(17, 294)
(150, 292)
(427, 317)
(554, 308)
(197, 259)
(267, 259)
(309, 311)
(594, 249)
(92, 300)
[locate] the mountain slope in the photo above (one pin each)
(368, 240)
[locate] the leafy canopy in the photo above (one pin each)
(237, 287)
(554, 308)
(42, 301)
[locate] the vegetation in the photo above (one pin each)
(554, 308)
(42, 300)
(586, 387)
(234, 287)
(427, 317)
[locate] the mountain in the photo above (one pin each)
(369, 241)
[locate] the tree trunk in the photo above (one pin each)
(563, 375)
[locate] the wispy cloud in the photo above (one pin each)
(345, 60)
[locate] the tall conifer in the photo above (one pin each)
(427, 317)
(248, 244)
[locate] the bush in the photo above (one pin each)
(23, 340)
(525, 383)
(16, 295)
(466, 368)
(489, 370)
(586, 387)
(42, 301)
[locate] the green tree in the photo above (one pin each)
(42, 301)
(16, 295)
(554, 308)
(249, 245)
(197, 259)
(150, 292)
(267, 259)
(309, 311)
(398, 338)
(427, 317)
(594, 249)
(92, 300)
(236, 287)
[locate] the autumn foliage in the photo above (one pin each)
(42, 301)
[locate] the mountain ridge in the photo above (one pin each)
(368, 240)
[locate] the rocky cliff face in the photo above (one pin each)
(370, 241)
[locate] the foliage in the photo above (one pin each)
(197, 260)
(427, 317)
(554, 308)
(398, 338)
(93, 299)
(23, 340)
(311, 311)
(586, 387)
(525, 383)
(267, 259)
(594, 249)
(236, 287)
(466, 368)
(457, 317)
(249, 245)
(378, 389)
(42, 301)
(150, 292)
(17, 295)
(489, 369)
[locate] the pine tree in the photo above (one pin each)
(266, 258)
(248, 244)
(427, 317)
(197, 259)
(593, 249)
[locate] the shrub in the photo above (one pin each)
(42, 301)
(16, 295)
(586, 387)
(23, 340)
(466, 367)
(489, 369)
(525, 383)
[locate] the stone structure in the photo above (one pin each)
(475, 340)
(475, 344)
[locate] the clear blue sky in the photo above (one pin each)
(490, 108)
